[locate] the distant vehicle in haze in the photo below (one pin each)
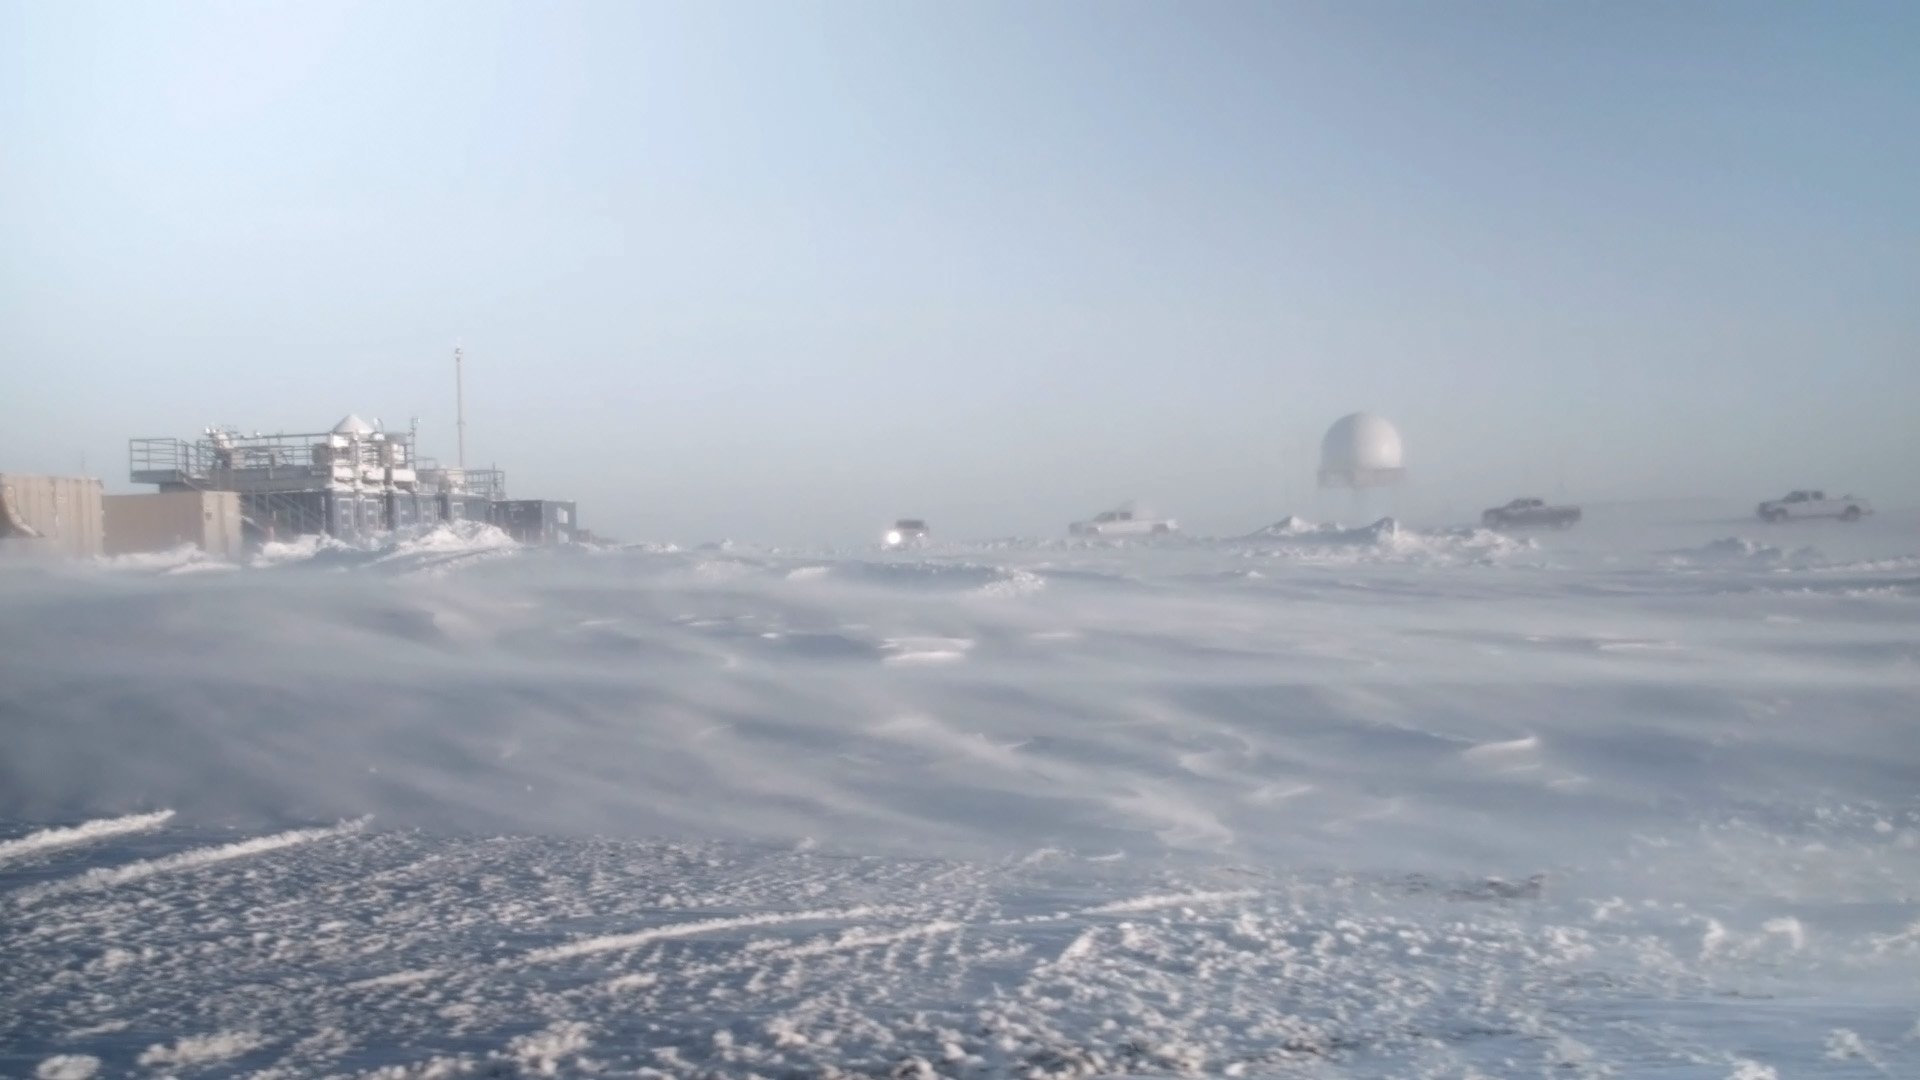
(1125, 521)
(1814, 504)
(1530, 514)
(905, 532)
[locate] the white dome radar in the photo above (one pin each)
(1361, 450)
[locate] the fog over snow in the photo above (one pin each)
(784, 272)
(1324, 801)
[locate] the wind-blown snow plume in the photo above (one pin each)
(1327, 801)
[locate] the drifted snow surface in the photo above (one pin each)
(1641, 799)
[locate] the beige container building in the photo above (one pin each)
(210, 520)
(50, 515)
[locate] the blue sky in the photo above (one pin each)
(786, 271)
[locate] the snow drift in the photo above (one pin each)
(1384, 540)
(947, 702)
(1377, 801)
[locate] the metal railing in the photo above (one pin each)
(489, 484)
(167, 461)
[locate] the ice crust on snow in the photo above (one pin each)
(1318, 801)
(1066, 967)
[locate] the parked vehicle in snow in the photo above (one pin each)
(906, 531)
(1814, 504)
(1125, 521)
(1530, 514)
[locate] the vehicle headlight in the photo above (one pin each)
(893, 537)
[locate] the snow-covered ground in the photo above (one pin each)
(1641, 799)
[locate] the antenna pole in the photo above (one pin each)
(460, 406)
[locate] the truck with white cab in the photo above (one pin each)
(1814, 504)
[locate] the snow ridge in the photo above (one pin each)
(50, 839)
(622, 942)
(109, 876)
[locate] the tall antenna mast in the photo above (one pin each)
(460, 406)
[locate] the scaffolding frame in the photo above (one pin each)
(303, 483)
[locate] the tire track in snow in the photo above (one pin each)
(83, 833)
(108, 876)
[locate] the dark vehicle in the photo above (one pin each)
(906, 531)
(1530, 514)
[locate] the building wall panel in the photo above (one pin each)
(210, 520)
(535, 521)
(51, 515)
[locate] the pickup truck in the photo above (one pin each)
(1530, 514)
(1814, 504)
(1123, 522)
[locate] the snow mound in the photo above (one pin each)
(433, 549)
(68, 1067)
(1292, 527)
(718, 570)
(300, 549)
(182, 559)
(1742, 551)
(647, 547)
(193, 1051)
(411, 549)
(1875, 566)
(934, 576)
(443, 547)
(1384, 540)
(1012, 582)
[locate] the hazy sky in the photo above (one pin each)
(785, 271)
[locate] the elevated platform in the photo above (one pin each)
(349, 482)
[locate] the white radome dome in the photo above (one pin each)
(1361, 450)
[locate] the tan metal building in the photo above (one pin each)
(209, 520)
(50, 515)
